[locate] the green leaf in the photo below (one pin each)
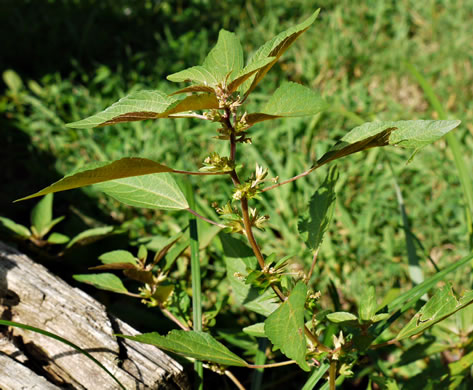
(367, 306)
(341, 316)
(313, 227)
(238, 259)
(108, 282)
(226, 57)
(42, 215)
(103, 171)
(57, 238)
(275, 48)
(256, 330)
(197, 74)
(247, 72)
(148, 191)
(461, 366)
(407, 134)
(134, 107)
(289, 100)
(118, 256)
(285, 327)
(442, 305)
(194, 88)
(202, 101)
(19, 230)
(194, 344)
(90, 235)
(379, 317)
(13, 81)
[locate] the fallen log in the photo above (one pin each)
(31, 295)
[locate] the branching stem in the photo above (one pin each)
(205, 219)
(312, 266)
(289, 180)
(272, 365)
(174, 319)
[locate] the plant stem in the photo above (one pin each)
(174, 319)
(289, 180)
(234, 380)
(271, 365)
(314, 260)
(199, 173)
(332, 374)
(205, 219)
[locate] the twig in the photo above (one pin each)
(314, 260)
(174, 319)
(199, 173)
(332, 374)
(234, 380)
(271, 365)
(289, 180)
(205, 219)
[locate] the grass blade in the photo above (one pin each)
(62, 340)
(316, 376)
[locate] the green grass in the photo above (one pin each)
(355, 55)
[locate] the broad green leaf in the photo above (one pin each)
(341, 316)
(226, 57)
(367, 305)
(379, 317)
(202, 101)
(238, 259)
(289, 100)
(194, 88)
(256, 330)
(108, 282)
(103, 171)
(19, 230)
(285, 326)
(118, 256)
(313, 227)
(196, 74)
(42, 215)
(247, 72)
(155, 191)
(134, 107)
(57, 238)
(442, 305)
(194, 344)
(276, 48)
(407, 134)
(91, 235)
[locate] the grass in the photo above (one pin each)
(354, 55)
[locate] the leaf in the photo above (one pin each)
(148, 191)
(341, 316)
(256, 330)
(195, 344)
(202, 101)
(103, 171)
(226, 57)
(367, 305)
(90, 235)
(19, 230)
(108, 282)
(194, 88)
(238, 258)
(407, 134)
(57, 238)
(313, 227)
(461, 366)
(134, 107)
(247, 72)
(275, 48)
(197, 74)
(442, 305)
(118, 256)
(13, 81)
(289, 100)
(285, 326)
(42, 215)
(140, 275)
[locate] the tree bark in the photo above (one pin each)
(31, 295)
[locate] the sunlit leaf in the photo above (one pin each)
(57, 238)
(90, 235)
(196, 74)
(285, 326)
(108, 282)
(103, 171)
(194, 344)
(248, 71)
(256, 330)
(367, 305)
(42, 215)
(118, 256)
(19, 230)
(341, 316)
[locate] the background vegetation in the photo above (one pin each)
(74, 58)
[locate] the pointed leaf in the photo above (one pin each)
(51, 224)
(442, 305)
(247, 72)
(91, 235)
(57, 238)
(285, 327)
(256, 330)
(203, 101)
(42, 214)
(194, 344)
(341, 316)
(313, 227)
(226, 57)
(367, 305)
(140, 275)
(16, 228)
(407, 134)
(197, 74)
(289, 100)
(134, 107)
(113, 267)
(103, 171)
(108, 282)
(238, 258)
(194, 88)
(275, 48)
(148, 191)
(118, 256)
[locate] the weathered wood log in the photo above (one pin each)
(30, 294)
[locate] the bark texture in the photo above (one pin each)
(31, 295)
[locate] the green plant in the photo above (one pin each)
(297, 322)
